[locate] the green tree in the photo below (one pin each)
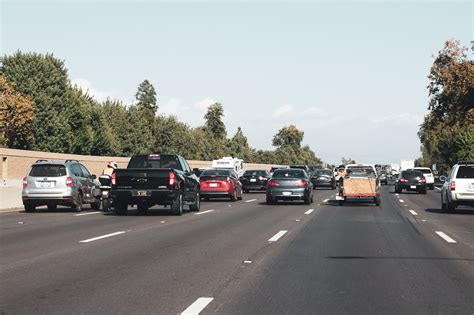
(289, 136)
(214, 123)
(239, 147)
(146, 97)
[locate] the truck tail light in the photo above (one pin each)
(453, 186)
(114, 178)
(172, 178)
(25, 182)
(69, 182)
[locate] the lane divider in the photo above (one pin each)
(402, 201)
(277, 236)
(103, 236)
(413, 212)
(197, 306)
(309, 211)
(86, 213)
(251, 200)
(203, 212)
(445, 237)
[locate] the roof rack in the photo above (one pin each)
(38, 161)
(72, 161)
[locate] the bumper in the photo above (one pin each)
(287, 194)
(215, 193)
(150, 197)
(323, 184)
(254, 186)
(412, 187)
(466, 199)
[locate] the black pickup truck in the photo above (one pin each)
(155, 179)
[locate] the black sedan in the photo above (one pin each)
(323, 178)
(411, 181)
(254, 180)
(290, 184)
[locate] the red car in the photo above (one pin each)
(218, 183)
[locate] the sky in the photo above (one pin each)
(351, 75)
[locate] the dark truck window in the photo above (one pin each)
(48, 170)
(154, 161)
(465, 172)
(289, 173)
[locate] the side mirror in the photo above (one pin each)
(93, 176)
(442, 178)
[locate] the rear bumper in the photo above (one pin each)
(150, 197)
(463, 199)
(406, 186)
(287, 194)
(323, 184)
(215, 193)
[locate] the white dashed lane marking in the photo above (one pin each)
(251, 200)
(413, 212)
(86, 213)
(102, 236)
(309, 211)
(203, 212)
(277, 236)
(402, 201)
(445, 237)
(197, 306)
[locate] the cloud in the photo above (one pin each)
(98, 95)
(282, 110)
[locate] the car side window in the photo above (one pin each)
(85, 171)
(76, 170)
(184, 164)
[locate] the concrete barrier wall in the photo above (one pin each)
(16, 163)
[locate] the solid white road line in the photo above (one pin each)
(277, 236)
(86, 213)
(445, 237)
(207, 211)
(309, 211)
(413, 212)
(251, 200)
(197, 306)
(101, 237)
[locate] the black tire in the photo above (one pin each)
(307, 200)
(341, 203)
(106, 205)
(397, 190)
(444, 206)
(52, 207)
(120, 208)
(177, 206)
(233, 197)
(30, 208)
(451, 206)
(196, 206)
(431, 186)
(95, 206)
(270, 201)
(312, 198)
(77, 207)
(377, 201)
(142, 209)
(246, 191)
(334, 187)
(240, 197)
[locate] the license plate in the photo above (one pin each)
(286, 193)
(253, 180)
(141, 193)
(213, 185)
(46, 184)
(413, 187)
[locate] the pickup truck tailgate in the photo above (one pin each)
(142, 178)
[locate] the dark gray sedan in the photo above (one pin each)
(290, 184)
(323, 178)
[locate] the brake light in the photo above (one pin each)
(301, 183)
(25, 182)
(423, 180)
(69, 182)
(172, 179)
(273, 183)
(453, 186)
(403, 180)
(261, 178)
(114, 178)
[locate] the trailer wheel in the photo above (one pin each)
(377, 201)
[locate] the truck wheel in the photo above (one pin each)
(30, 208)
(177, 206)
(341, 202)
(142, 209)
(106, 205)
(77, 207)
(120, 208)
(377, 201)
(196, 206)
(95, 206)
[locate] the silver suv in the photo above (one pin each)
(64, 182)
(458, 188)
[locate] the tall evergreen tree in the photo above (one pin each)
(146, 97)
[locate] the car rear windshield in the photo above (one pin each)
(289, 173)
(412, 174)
(256, 173)
(425, 171)
(465, 171)
(154, 161)
(215, 173)
(323, 172)
(48, 170)
(360, 171)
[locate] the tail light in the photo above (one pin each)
(403, 180)
(423, 180)
(453, 186)
(172, 178)
(273, 183)
(69, 182)
(261, 178)
(25, 182)
(114, 178)
(301, 183)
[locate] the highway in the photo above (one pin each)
(244, 257)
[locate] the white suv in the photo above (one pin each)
(458, 188)
(428, 176)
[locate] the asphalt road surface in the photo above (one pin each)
(244, 257)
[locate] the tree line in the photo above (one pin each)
(447, 132)
(41, 110)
